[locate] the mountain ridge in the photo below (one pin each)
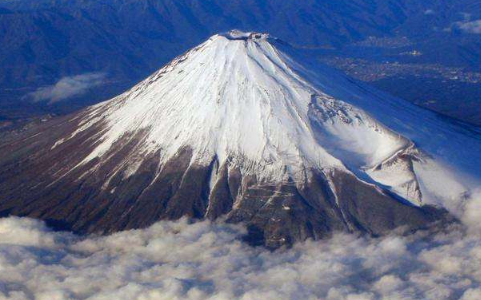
(240, 128)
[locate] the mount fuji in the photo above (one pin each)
(242, 128)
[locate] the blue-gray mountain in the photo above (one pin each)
(44, 41)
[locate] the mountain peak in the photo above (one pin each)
(223, 99)
(244, 128)
(237, 97)
(241, 35)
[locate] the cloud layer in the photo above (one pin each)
(205, 260)
(68, 87)
(179, 260)
(470, 27)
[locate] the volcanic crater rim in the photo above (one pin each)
(238, 35)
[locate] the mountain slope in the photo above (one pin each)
(241, 128)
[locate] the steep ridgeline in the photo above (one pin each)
(241, 128)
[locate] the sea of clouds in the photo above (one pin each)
(205, 260)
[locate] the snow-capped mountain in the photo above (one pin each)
(242, 128)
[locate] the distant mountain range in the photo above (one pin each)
(125, 40)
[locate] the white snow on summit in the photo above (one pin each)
(240, 98)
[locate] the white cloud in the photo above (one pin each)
(470, 27)
(204, 260)
(429, 12)
(180, 260)
(68, 87)
(472, 294)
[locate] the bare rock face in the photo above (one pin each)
(237, 129)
